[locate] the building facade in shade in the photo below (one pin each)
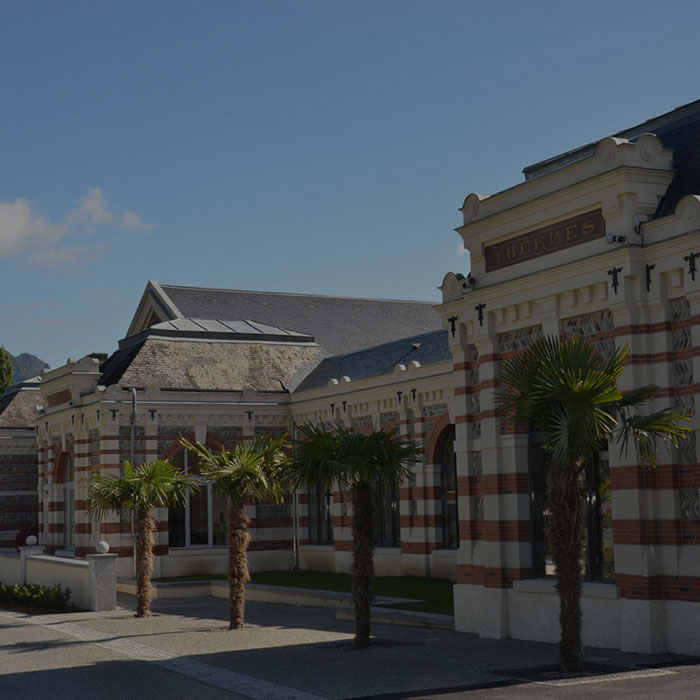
(204, 379)
(601, 242)
(18, 460)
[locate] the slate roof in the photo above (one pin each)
(18, 405)
(678, 129)
(214, 329)
(206, 355)
(427, 349)
(117, 363)
(338, 324)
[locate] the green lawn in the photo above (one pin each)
(191, 577)
(436, 593)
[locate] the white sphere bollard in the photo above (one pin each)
(31, 541)
(102, 547)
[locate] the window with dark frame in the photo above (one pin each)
(598, 561)
(386, 517)
(319, 512)
(448, 484)
(68, 503)
(201, 522)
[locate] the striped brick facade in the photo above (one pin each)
(416, 401)
(18, 483)
(643, 295)
(93, 430)
(640, 287)
(19, 497)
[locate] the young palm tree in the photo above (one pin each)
(253, 468)
(570, 394)
(342, 456)
(156, 484)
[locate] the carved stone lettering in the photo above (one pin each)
(565, 234)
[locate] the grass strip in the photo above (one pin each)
(435, 594)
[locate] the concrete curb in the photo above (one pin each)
(284, 595)
(392, 616)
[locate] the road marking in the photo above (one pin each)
(609, 678)
(249, 686)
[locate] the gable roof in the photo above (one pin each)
(202, 354)
(338, 324)
(426, 349)
(678, 130)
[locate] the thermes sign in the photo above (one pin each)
(565, 234)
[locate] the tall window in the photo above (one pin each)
(598, 562)
(320, 523)
(202, 521)
(386, 515)
(448, 483)
(68, 503)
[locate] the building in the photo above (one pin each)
(18, 460)
(602, 241)
(207, 379)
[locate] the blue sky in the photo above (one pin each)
(305, 146)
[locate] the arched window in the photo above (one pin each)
(201, 522)
(68, 502)
(448, 484)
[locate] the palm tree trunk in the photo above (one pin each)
(238, 538)
(362, 559)
(144, 563)
(566, 538)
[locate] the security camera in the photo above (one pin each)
(615, 238)
(469, 283)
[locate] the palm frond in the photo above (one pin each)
(139, 489)
(254, 468)
(570, 394)
(339, 455)
(647, 432)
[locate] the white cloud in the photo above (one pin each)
(461, 250)
(133, 221)
(21, 227)
(93, 207)
(25, 231)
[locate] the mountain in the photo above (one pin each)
(27, 366)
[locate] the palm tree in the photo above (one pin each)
(342, 456)
(255, 469)
(156, 484)
(570, 394)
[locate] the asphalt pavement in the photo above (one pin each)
(296, 653)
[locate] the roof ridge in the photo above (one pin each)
(619, 133)
(295, 294)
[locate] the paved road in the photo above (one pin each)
(671, 683)
(288, 653)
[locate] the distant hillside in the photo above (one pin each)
(27, 366)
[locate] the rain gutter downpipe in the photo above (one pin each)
(295, 514)
(132, 421)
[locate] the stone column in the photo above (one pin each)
(103, 581)
(24, 552)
